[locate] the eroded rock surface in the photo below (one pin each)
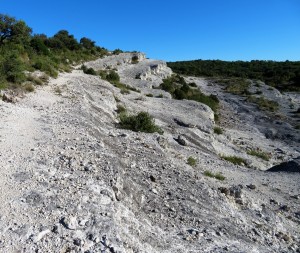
(71, 181)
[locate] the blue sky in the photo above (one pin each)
(171, 29)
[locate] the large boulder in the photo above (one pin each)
(290, 166)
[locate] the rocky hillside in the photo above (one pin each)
(73, 181)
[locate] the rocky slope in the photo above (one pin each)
(72, 181)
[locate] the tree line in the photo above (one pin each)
(283, 75)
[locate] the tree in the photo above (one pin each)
(87, 43)
(13, 30)
(67, 40)
(38, 44)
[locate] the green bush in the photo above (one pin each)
(260, 154)
(142, 122)
(117, 51)
(218, 130)
(113, 77)
(234, 159)
(149, 95)
(237, 86)
(46, 65)
(264, 104)
(179, 89)
(58, 90)
(134, 59)
(34, 79)
(191, 161)
(193, 85)
(124, 91)
(117, 99)
(29, 87)
(123, 87)
(218, 175)
(12, 67)
(121, 109)
(3, 85)
(89, 71)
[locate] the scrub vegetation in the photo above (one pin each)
(285, 76)
(179, 89)
(21, 51)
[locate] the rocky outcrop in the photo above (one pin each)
(290, 166)
(116, 61)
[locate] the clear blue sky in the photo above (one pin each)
(171, 29)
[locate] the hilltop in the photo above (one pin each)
(73, 180)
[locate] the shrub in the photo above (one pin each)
(88, 71)
(179, 89)
(12, 68)
(149, 95)
(234, 159)
(3, 85)
(160, 96)
(264, 104)
(117, 99)
(29, 87)
(124, 91)
(125, 88)
(179, 94)
(121, 109)
(218, 130)
(237, 86)
(57, 90)
(113, 77)
(134, 59)
(45, 65)
(102, 73)
(193, 85)
(217, 117)
(117, 51)
(44, 78)
(208, 173)
(35, 80)
(191, 161)
(259, 154)
(218, 175)
(142, 122)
